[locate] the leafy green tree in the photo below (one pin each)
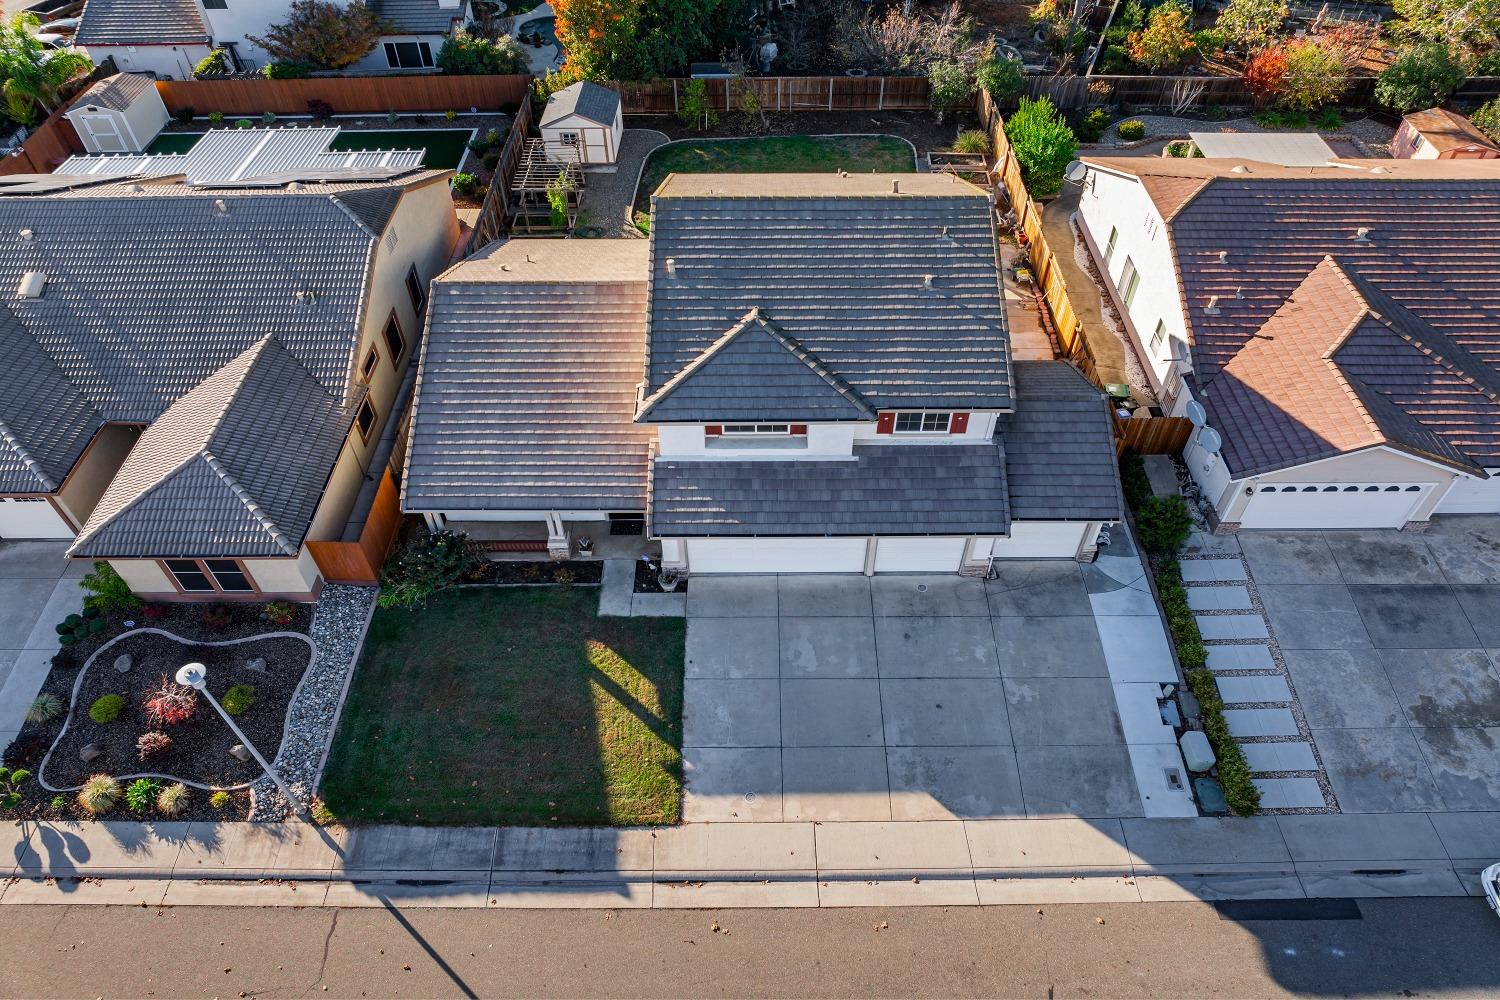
(1167, 39)
(1313, 77)
(323, 34)
(948, 86)
(466, 54)
(1487, 117)
(694, 107)
(1043, 145)
(1253, 24)
(1001, 78)
(1468, 28)
(643, 39)
(34, 73)
(1421, 77)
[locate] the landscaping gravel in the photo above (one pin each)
(1159, 127)
(337, 630)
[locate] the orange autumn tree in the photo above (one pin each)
(1265, 72)
(645, 39)
(598, 36)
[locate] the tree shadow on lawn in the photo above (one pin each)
(512, 706)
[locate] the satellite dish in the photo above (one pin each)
(1075, 172)
(1209, 440)
(1196, 414)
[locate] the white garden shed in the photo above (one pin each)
(120, 114)
(583, 123)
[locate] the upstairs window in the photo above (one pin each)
(1109, 248)
(364, 418)
(923, 423)
(776, 429)
(1130, 280)
(1159, 337)
(416, 291)
(395, 343)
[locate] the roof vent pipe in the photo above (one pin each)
(1212, 309)
(895, 186)
(926, 281)
(672, 266)
(1223, 256)
(1362, 234)
(221, 207)
(28, 235)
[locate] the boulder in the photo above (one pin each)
(89, 753)
(258, 664)
(123, 663)
(238, 752)
(1196, 753)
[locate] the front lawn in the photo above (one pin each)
(792, 154)
(512, 706)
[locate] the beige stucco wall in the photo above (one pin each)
(1374, 465)
(338, 499)
(89, 478)
(144, 576)
(284, 576)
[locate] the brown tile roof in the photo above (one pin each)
(1447, 130)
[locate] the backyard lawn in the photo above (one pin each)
(796, 154)
(512, 706)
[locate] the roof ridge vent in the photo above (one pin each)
(1362, 234)
(1212, 309)
(32, 283)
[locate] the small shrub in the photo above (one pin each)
(971, 141)
(67, 640)
(450, 115)
(1209, 41)
(290, 69)
(1421, 77)
(216, 118)
(1180, 149)
(216, 617)
(73, 621)
(694, 108)
(99, 794)
(152, 743)
(64, 660)
(1092, 125)
(1133, 479)
(10, 786)
(392, 118)
(238, 698)
(1163, 524)
(140, 794)
(173, 800)
(1330, 120)
(1234, 772)
(321, 814)
(184, 115)
(280, 612)
(216, 63)
(107, 709)
(948, 86)
(1132, 130)
(44, 708)
(426, 564)
(468, 185)
(268, 118)
(1043, 144)
(563, 576)
(320, 109)
(1114, 60)
(26, 749)
(219, 799)
(97, 625)
(242, 123)
(464, 53)
(170, 703)
(59, 803)
(1001, 78)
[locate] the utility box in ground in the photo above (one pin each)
(119, 114)
(583, 124)
(1196, 753)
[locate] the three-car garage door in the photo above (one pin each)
(1333, 505)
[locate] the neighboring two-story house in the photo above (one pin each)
(167, 38)
(1335, 330)
(194, 380)
(798, 373)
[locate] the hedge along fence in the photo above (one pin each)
(347, 94)
(782, 93)
(1069, 92)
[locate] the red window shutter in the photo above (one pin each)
(798, 428)
(886, 424)
(959, 423)
(713, 430)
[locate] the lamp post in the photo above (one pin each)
(195, 676)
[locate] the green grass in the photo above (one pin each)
(445, 147)
(512, 706)
(796, 154)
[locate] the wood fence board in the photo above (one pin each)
(347, 94)
(782, 93)
(1153, 435)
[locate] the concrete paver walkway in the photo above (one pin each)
(38, 589)
(952, 862)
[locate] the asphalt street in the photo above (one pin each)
(1412, 947)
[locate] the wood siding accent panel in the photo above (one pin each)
(360, 562)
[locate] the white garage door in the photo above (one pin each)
(776, 555)
(1041, 540)
(1468, 495)
(31, 518)
(1333, 505)
(919, 555)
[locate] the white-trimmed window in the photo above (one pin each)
(568, 138)
(1159, 337)
(1130, 281)
(1109, 248)
(781, 430)
(922, 423)
(206, 576)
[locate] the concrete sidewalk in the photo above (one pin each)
(939, 863)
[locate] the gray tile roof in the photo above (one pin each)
(234, 468)
(419, 17)
(141, 22)
(115, 92)
(886, 490)
(585, 99)
(1059, 447)
(755, 372)
(841, 265)
(528, 381)
(45, 423)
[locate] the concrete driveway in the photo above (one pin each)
(1392, 645)
(900, 698)
(38, 589)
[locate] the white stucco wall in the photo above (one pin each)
(174, 61)
(1043, 539)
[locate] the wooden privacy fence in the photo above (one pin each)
(51, 142)
(1070, 92)
(783, 93)
(360, 562)
(495, 213)
(1152, 435)
(346, 94)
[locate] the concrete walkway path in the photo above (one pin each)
(934, 863)
(38, 589)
